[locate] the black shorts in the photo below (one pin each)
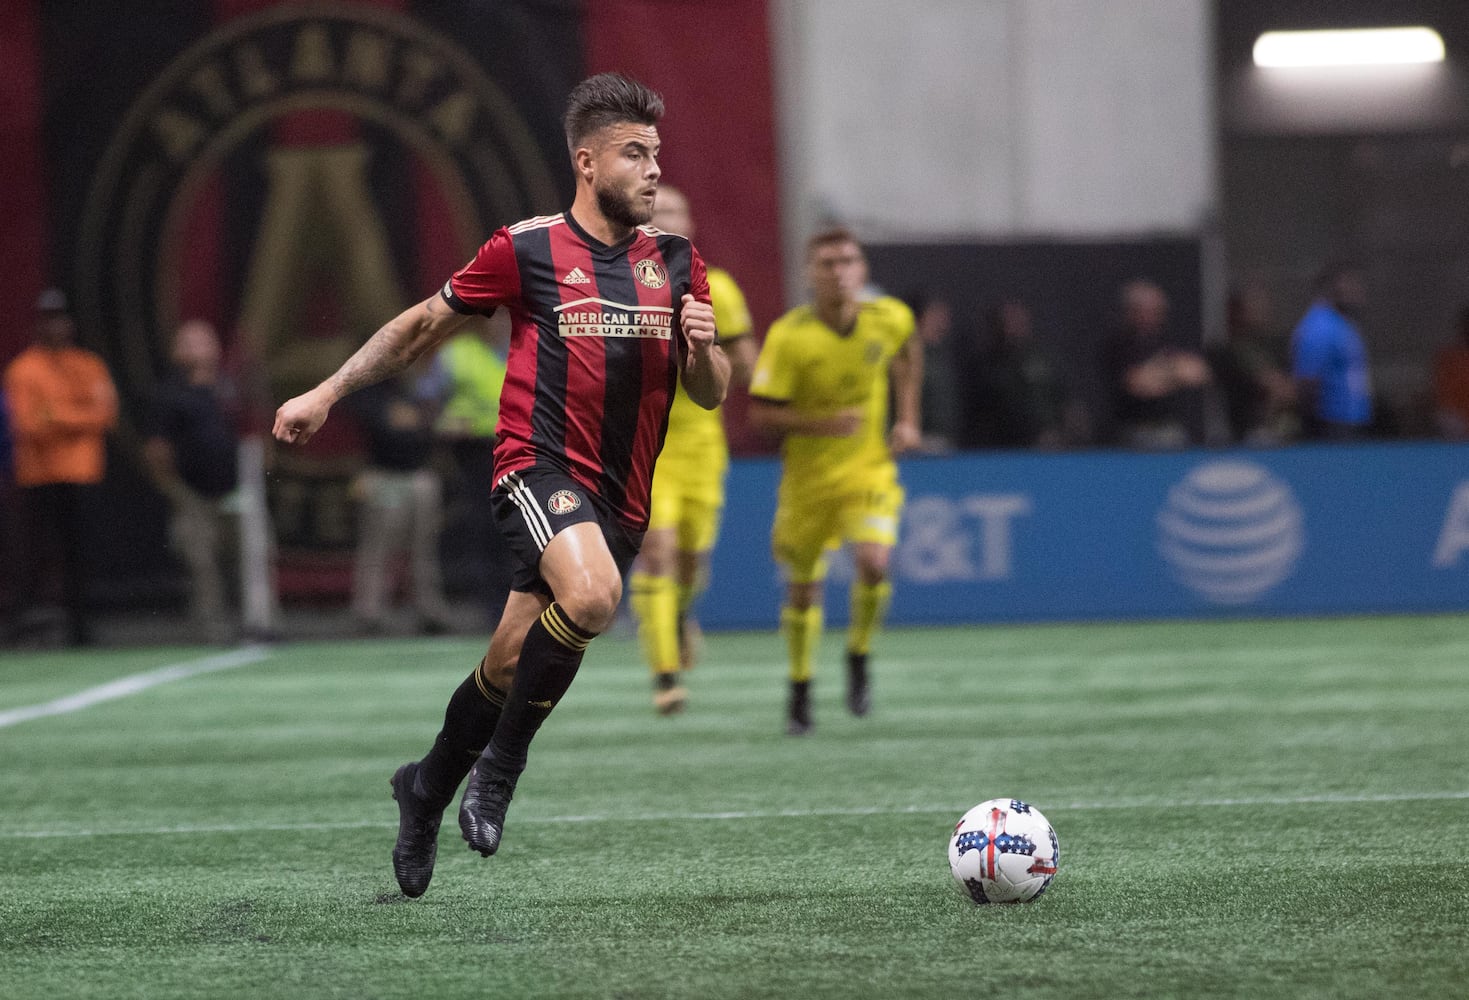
(532, 506)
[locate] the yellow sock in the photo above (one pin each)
(803, 636)
(655, 604)
(687, 594)
(869, 608)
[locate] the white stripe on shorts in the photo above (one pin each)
(535, 518)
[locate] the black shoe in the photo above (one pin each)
(799, 721)
(418, 834)
(859, 699)
(482, 810)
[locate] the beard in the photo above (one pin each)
(618, 207)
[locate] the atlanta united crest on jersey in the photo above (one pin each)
(594, 349)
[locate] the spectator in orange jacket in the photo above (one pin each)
(62, 404)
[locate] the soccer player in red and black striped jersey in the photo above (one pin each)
(607, 312)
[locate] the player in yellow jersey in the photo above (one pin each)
(821, 384)
(688, 490)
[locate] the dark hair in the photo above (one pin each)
(828, 236)
(608, 99)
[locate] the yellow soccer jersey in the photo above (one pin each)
(695, 444)
(808, 365)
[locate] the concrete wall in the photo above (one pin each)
(995, 118)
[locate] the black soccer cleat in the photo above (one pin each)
(798, 721)
(482, 810)
(859, 697)
(418, 834)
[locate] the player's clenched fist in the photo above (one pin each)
(697, 320)
(301, 417)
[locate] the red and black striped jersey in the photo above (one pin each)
(595, 349)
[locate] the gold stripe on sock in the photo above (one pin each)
(562, 631)
(492, 694)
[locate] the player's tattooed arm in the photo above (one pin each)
(396, 345)
(393, 348)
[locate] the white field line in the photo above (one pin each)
(124, 687)
(953, 810)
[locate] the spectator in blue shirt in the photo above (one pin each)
(1329, 359)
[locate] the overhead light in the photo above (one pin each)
(1349, 47)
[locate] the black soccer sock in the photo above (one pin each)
(469, 722)
(549, 658)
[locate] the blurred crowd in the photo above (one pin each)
(998, 382)
(427, 440)
(991, 381)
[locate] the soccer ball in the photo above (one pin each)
(1004, 851)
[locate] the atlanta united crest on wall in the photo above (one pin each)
(296, 176)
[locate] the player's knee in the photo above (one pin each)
(498, 667)
(801, 596)
(592, 604)
(499, 674)
(693, 568)
(872, 565)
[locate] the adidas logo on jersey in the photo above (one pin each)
(576, 277)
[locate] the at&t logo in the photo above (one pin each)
(1230, 531)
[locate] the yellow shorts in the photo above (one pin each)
(808, 527)
(691, 506)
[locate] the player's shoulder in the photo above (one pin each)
(802, 315)
(532, 224)
(793, 322)
(664, 237)
(889, 310)
(678, 251)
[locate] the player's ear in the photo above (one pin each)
(582, 161)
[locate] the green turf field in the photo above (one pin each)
(1251, 809)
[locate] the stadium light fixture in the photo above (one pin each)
(1349, 47)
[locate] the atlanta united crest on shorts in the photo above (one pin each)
(563, 502)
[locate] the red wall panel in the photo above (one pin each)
(24, 247)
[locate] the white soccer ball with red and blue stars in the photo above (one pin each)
(1004, 851)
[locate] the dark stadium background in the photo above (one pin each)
(1290, 191)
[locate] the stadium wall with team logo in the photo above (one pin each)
(296, 173)
(1031, 537)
